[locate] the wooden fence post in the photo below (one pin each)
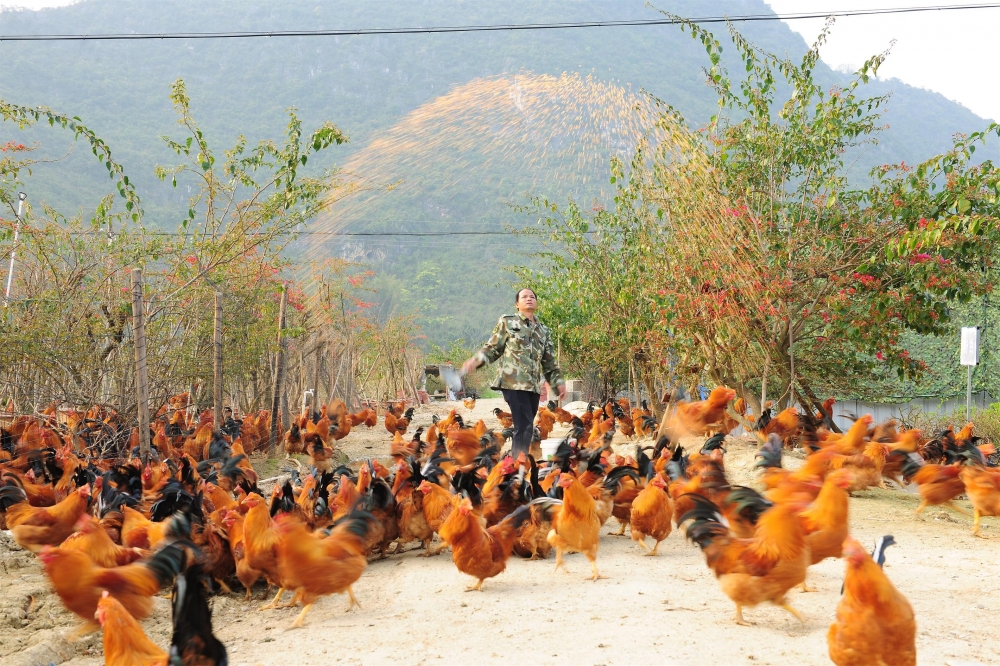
(141, 380)
(279, 374)
(217, 381)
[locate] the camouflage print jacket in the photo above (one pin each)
(527, 351)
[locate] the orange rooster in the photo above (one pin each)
(260, 544)
(293, 440)
(395, 423)
(340, 420)
(93, 540)
(469, 403)
(875, 623)
(436, 506)
(246, 574)
(866, 467)
(752, 571)
(651, 514)
(409, 510)
(125, 644)
(785, 425)
(463, 445)
(138, 531)
(79, 582)
(478, 551)
(36, 527)
(701, 417)
(314, 566)
(505, 418)
(575, 526)
(826, 520)
(937, 484)
(983, 487)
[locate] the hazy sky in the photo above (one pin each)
(950, 52)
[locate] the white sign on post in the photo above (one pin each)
(970, 346)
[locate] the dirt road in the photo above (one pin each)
(667, 609)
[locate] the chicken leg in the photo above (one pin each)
(559, 560)
(478, 587)
(352, 600)
(274, 602)
(954, 506)
(656, 548)
(977, 518)
(301, 618)
(739, 617)
(788, 607)
(593, 565)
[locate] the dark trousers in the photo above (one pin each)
(523, 407)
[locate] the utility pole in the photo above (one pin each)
(279, 374)
(217, 381)
(141, 381)
(21, 196)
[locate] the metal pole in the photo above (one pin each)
(217, 379)
(279, 374)
(968, 397)
(21, 196)
(141, 382)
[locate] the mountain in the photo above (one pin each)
(419, 108)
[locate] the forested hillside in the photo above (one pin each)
(384, 87)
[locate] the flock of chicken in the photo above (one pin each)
(111, 531)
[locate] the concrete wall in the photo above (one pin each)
(884, 411)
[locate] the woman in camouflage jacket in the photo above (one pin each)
(523, 346)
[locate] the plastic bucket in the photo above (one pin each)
(549, 447)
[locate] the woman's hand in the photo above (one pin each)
(470, 365)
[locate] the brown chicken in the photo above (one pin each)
(701, 417)
(652, 512)
(505, 418)
(875, 623)
(125, 644)
(463, 446)
(340, 420)
(983, 487)
(937, 484)
(246, 574)
(320, 455)
(35, 527)
(394, 424)
(866, 467)
(314, 566)
(79, 582)
(785, 425)
(476, 550)
(469, 403)
(260, 543)
(93, 540)
(409, 510)
(826, 520)
(293, 440)
(752, 571)
(138, 531)
(575, 526)
(532, 541)
(851, 442)
(436, 506)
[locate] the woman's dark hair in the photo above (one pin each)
(517, 295)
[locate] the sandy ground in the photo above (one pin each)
(667, 609)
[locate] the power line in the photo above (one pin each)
(308, 232)
(487, 28)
